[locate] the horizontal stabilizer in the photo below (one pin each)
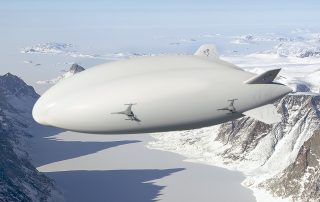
(267, 114)
(266, 77)
(207, 50)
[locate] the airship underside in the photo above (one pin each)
(159, 93)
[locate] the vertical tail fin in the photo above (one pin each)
(207, 50)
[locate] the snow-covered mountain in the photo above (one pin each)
(298, 49)
(20, 181)
(48, 48)
(74, 69)
(281, 161)
(257, 38)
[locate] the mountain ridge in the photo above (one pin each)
(20, 179)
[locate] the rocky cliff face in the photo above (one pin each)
(281, 160)
(300, 181)
(75, 68)
(19, 179)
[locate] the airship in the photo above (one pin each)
(160, 93)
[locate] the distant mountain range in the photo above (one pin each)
(67, 49)
(48, 48)
(20, 181)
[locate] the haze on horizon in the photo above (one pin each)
(140, 26)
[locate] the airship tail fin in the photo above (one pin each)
(207, 50)
(266, 77)
(267, 114)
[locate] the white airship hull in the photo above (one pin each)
(168, 93)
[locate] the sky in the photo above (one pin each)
(134, 26)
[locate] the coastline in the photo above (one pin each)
(259, 194)
(147, 175)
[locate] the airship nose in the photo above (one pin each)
(40, 111)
